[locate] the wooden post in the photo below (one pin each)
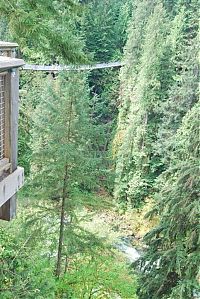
(8, 49)
(8, 210)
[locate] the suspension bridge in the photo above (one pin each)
(57, 68)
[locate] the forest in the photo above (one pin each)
(110, 205)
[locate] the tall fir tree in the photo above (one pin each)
(64, 169)
(143, 88)
(172, 256)
(171, 264)
(63, 161)
(104, 29)
(182, 93)
(158, 86)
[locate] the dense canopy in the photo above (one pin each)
(111, 156)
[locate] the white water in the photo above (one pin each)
(128, 250)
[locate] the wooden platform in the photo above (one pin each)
(11, 184)
(8, 63)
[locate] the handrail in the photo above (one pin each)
(57, 68)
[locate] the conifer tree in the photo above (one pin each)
(104, 30)
(45, 30)
(171, 262)
(182, 93)
(63, 160)
(171, 265)
(143, 88)
(158, 86)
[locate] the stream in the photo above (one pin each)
(124, 245)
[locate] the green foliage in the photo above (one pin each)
(104, 89)
(104, 28)
(157, 141)
(158, 86)
(67, 123)
(45, 30)
(31, 88)
(62, 127)
(64, 162)
(22, 274)
(28, 263)
(97, 276)
(183, 93)
(142, 89)
(3, 30)
(63, 134)
(172, 259)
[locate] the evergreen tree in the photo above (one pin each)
(104, 29)
(32, 86)
(45, 30)
(158, 86)
(27, 266)
(63, 171)
(143, 88)
(182, 92)
(171, 265)
(63, 160)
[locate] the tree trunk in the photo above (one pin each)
(62, 224)
(64, 197)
